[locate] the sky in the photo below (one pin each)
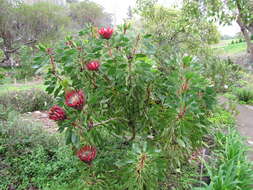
(229, 30)
(119, 9)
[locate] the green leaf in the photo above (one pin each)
(70, 52)
(68, 136)
(50, 89)
(74, 139)
(41, 47)
(122, 66)
(136, 148)
(56, 92)
(38, 59)
(146, 36)
(140, 55)
(181, 143)
(187, 60)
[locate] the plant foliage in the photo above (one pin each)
(144, 116)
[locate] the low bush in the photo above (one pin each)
(32, 158)
(26, 100)
(244, 95)
(2, 75)
(26, 67)
(222, 117)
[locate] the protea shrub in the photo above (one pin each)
(132, 101)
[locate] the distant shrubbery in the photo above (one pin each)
(237, 41)
(223, 73)
(26, 100)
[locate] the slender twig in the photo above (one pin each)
(107, 121)
(109, 47)
(202, 164)
(133, 133)
(136, 44)
(16, 49)
(92, 80)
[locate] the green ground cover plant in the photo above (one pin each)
(244, 95)
(31, 157)
(228, 167)
(231, 169)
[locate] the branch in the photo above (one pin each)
(106, 121)
(16, 49)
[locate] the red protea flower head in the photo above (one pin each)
(75, 99)
(106, 33)
(87, 154)
(93, 65)
(57, 113)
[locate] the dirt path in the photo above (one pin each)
(245, 125)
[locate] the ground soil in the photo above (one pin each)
(245, 125)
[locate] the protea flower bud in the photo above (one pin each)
(106, 33)
(87, 154)
(75, 99)
(93, 66)
(57, 113)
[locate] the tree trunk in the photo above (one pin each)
(7, 45)
(247, 36)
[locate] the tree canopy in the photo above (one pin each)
(225, 12)
(89, 12)
(22, 23)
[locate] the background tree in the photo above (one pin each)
(89, 12)
(6, 25)
(130, 12)
(227, 11)
(174, 29)
(22, 24)
(72, 1)
(41, 21)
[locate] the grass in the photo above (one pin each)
(18, 87)
(222, 43)
(229, 49)
(9, 84)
